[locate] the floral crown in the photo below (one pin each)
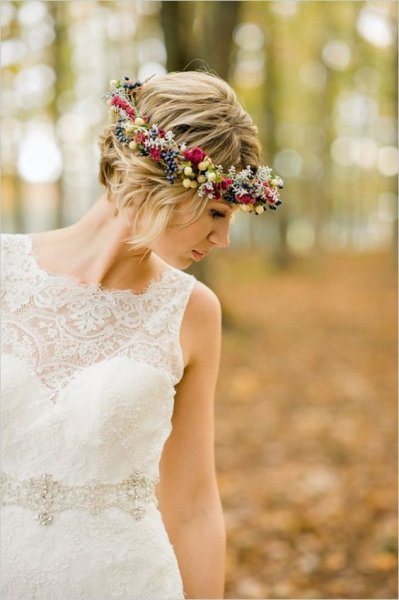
(253, 190)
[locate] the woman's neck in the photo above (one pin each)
(93, 250)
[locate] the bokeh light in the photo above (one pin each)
(39, 158)
(374, 27)
(337, 55)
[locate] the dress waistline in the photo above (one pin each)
(49, 496)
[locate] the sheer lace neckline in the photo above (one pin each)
(98, 287)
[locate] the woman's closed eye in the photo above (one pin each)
(217, 214)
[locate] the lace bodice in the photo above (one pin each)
(63, 326)
(88, 380)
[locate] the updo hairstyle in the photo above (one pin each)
(202, 110)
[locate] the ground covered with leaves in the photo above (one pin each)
(306, 419)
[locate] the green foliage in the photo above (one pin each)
(318, 77)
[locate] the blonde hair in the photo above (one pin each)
(202, 110)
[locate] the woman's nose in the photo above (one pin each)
(220, 236)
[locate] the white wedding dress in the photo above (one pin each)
(88, 380)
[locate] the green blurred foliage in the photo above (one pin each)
(319, 78)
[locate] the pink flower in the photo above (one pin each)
(140, 137)
(121, 103)
(217, 194)
(216, 189)
(194, 155)
(155, 153)
(211, 190)
(226, 182)
(272, 196)
(246, 199)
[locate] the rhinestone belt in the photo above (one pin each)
(48, 496)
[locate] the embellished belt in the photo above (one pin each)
(48, 496)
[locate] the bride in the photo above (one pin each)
(110, 356)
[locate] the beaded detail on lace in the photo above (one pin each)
(48, 496)
(62, 326)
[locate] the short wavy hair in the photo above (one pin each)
(202, 110)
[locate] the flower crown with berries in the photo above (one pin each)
(253, 190)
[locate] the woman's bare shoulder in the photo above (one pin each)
(203, 302)
(202, 321)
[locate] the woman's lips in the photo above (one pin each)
(198, 255)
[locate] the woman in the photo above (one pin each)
(111, 353)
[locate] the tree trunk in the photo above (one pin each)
(272, 90)
(219, 21)
(177, 30)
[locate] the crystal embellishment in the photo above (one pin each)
(48, 496)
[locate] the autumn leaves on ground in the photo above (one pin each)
(306, 426)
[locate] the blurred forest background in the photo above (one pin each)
(306, 413)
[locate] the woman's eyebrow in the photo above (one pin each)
(224, 204)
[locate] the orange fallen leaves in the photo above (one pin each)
(306, 419)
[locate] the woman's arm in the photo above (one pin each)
(188, 493)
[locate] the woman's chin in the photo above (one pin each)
(182, 262)
(178, 262)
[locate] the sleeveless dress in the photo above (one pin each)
(88, 380)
